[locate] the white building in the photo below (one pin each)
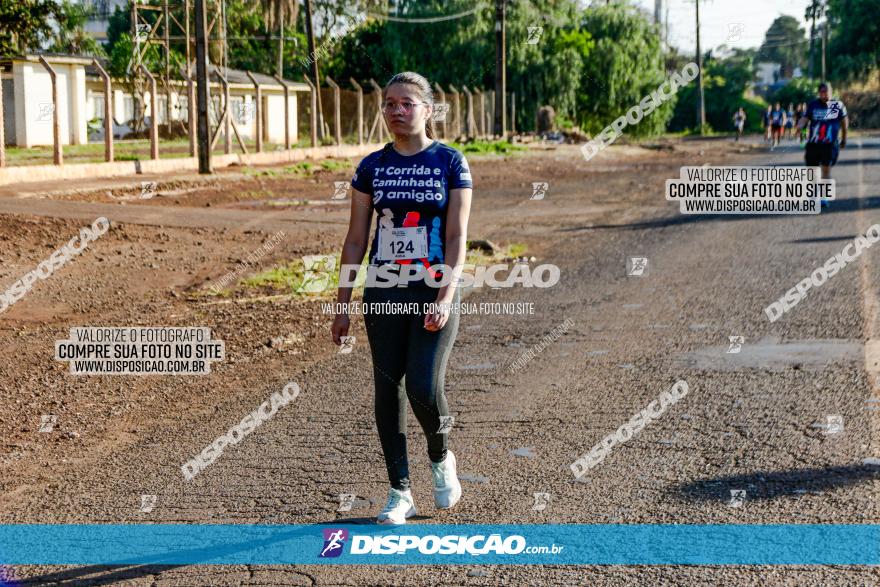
(767, 73)
(28, 109)
(100, 12)
(27, 100)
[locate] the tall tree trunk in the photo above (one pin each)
(812, 37)
(280, 67)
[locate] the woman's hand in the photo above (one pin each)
(437, 318)
(340, 328)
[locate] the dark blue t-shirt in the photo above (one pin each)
(825, 120)
(776, 117)
(411, 197)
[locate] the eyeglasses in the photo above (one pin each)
(404, 107)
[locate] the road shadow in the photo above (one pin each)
(840, 163)
(834, 207)
(821, 239)
(111, 575)
(765, 485)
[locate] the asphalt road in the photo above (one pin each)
(755, 421)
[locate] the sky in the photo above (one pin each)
(718, 16)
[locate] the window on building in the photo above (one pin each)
(97, 106)
(238, 109)
(161, 102)
(127, 108)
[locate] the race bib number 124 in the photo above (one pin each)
(403, 243)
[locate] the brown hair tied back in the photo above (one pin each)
(425, 93)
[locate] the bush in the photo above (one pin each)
(798, 90)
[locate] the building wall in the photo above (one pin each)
(34, 109)
(275, 118)
(79, 114)
(243, 105)
(82, 104)
(8, 112)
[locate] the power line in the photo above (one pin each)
(429, 19)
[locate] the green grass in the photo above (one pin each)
(335, 165)
(287, 278)
(509, 251)
(487, 147)
(135, 150)
(300, 169)
(290, 277)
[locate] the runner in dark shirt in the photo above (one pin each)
(828, 124)
(765, 121)
(789, 121)
(777, 121)
(410, 197)
(420, 190)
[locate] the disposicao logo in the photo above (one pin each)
(334, 539)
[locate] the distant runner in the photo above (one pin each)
(765, 121)
(777, 121)
(789, 122)
(803, 129)
(827, 132)
(739, 122)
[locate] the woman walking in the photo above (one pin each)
(421, 192)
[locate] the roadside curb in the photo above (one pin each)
(36, 173)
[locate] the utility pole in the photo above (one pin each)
(824, 45)
(202, 87)
(500, 70)
(280, 67)
(658, 20)
(310, 35)
(701, 103)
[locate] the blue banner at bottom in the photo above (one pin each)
(554, 544)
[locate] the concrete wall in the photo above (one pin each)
(79, 112)
(35, 173)
(8, 112)
(33, 100)
(275, 117)
(31, 90)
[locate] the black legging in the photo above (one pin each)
(408, 361)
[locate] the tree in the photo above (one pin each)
(855, 40)
(798, 90)
(784, 43)
(71, 37)
(725, 83)
(25, 25)
(461, 51)
(625, 65)
(253, 48)
(815, 11)
(277, 14)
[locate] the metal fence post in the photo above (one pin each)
(337, 123)
(154, 110)
(360, 102)
(58, 154)
(258, 112)
(314, 117)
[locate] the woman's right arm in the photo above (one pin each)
(353, 250)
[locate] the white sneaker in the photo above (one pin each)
(447, 488)
(400, 506)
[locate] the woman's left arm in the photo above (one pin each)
(456, 248)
